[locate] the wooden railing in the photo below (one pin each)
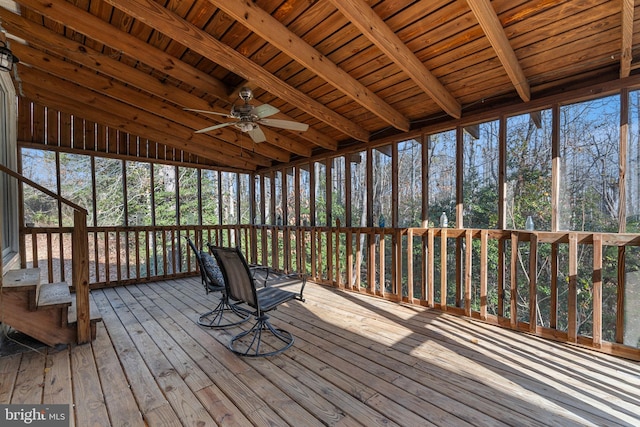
(79, 260)
(567, 286)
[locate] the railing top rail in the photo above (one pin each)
(42, 189)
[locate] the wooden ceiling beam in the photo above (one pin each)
(270, 29)
(626, 54)
(49, 40)
(89, 79)
(492, 28)
(74, 99)
(376, 30)
(83, 22)
(200, 41)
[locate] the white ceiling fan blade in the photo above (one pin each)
(207, 112)
(214, 127)
(265, 110)
(285, 124)
(257, 135)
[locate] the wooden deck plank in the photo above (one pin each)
(457, 329)
(405, 402)
(221, 407)
(180, 397)
(30, 379)
(120, 401)
(143, 386)
(527, 411)
(347, 404)
(403, 363)
(91, 409)
(322, 409)
(261, 391)
(357, 360)
(8, 374)
(481, 367)
(193, 376)
(58, 386)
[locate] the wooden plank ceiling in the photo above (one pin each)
(354, 71)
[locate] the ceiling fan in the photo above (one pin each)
(247, 117)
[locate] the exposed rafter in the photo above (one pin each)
(151, 60)
(73, 99)
(626, 55)
(90, 80)
(492, 28)
(270, 29)
(200, 41)
(143, 81)
(375, 29)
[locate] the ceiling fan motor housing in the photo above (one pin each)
(245, 94)
(243, 112)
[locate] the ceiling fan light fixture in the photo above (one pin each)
(7, 58)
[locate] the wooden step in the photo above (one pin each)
(94, 312)
(21, 279)
(25, 280)
(54, 295)
(46, 324)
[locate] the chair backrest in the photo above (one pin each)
(210, 273)
(237, 276)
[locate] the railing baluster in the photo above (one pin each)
(315, 244)
(49, 257)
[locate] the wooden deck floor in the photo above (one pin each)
(357, 360)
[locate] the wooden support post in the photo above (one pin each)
(597, 290)
(622, 280)
(381, 268)
(484, 237)
(572, 318)
(501, 276)
(553, 310)
(513, 303)
(467, 271)
(443, 269)
(338, 277)
(80, 273)
(349, 248)
(533, 283)
(371, 262)
(358, 261)
(409, 267)
(430, 268)
(396, 262)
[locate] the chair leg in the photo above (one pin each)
(224, 315)
(249, 342)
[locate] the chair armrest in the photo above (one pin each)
(289, 282)
(255, 268)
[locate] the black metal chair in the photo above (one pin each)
(225, 313)
(262, 339)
